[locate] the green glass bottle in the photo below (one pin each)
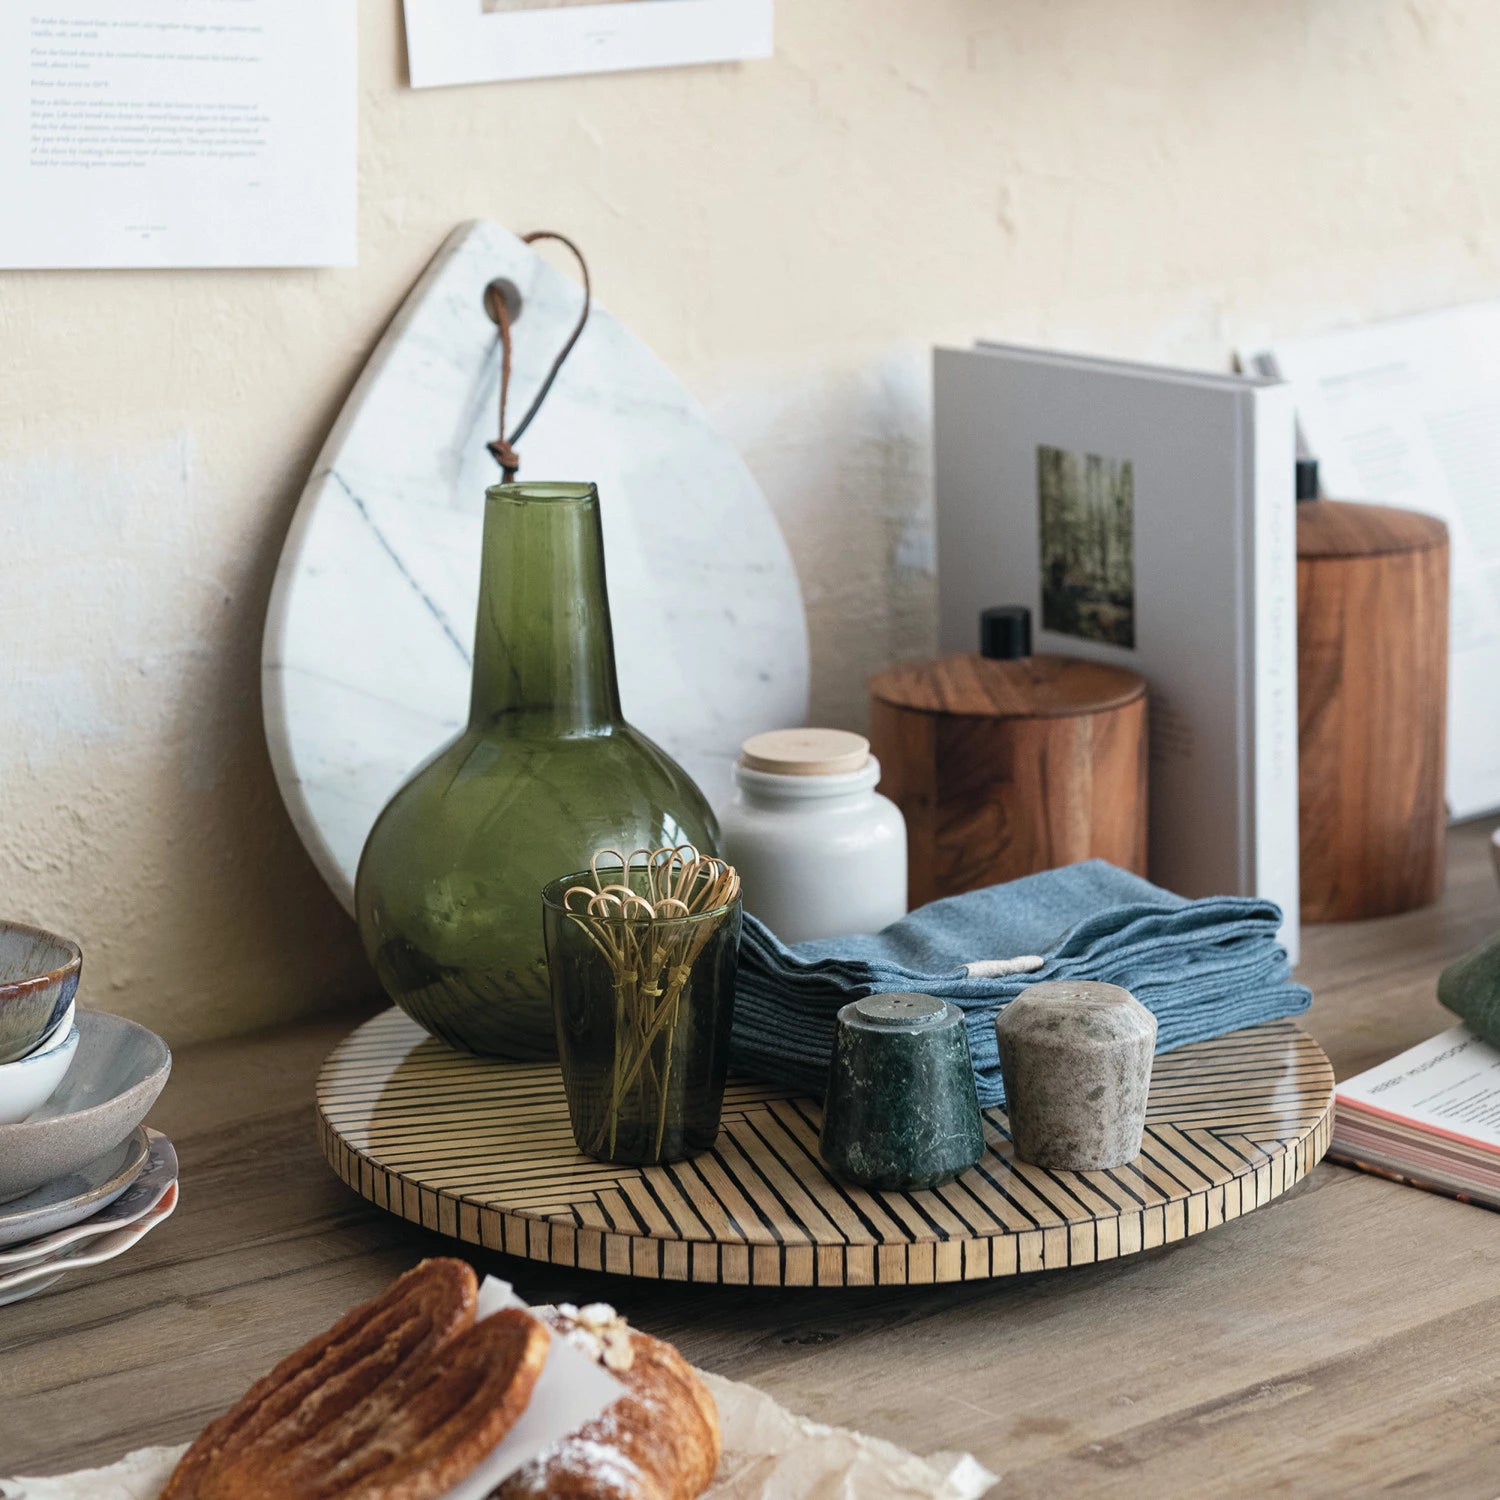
(546, 772)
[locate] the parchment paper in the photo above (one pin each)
(769, 1454)
(773, 1454)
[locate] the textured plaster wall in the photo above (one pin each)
(1160, 178)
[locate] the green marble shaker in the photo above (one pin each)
(901, 1110)
(546, 772)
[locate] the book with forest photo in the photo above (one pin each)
(1146, 516)
(1086, 521)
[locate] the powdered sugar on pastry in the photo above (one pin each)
(597, 1330)
(659, 1441)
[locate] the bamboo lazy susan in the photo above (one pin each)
(482, 1151)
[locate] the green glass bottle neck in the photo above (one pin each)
(544, 653)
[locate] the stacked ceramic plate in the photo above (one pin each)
(81, 1178)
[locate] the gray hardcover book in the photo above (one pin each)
(1147, 517)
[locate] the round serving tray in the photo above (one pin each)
(481, 1150)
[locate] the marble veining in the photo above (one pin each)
(366, 657)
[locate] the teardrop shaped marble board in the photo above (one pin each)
(366, 657)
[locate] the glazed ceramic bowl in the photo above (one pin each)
(59, 1031)
(38, 975)
(118, 1071)
(28, 1084)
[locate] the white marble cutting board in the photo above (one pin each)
(365, 662)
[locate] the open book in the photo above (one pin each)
(1430, 1117)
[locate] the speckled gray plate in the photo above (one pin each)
(55, 1207)
(27, 1281)
(117, 1072)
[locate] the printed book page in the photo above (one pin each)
(1449, 1084)
(1407, 413)
(159, 133)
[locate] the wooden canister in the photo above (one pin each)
(1004, 766)
(1372, 675)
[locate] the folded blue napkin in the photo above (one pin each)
(1203, 967)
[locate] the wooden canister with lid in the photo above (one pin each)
(1372, 674)
(1005, 763)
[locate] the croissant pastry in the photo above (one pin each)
(659, 1441)
(397, 1401)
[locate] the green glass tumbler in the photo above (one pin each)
(546, 772)
(643, 1008)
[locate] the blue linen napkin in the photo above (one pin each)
(1203, 967)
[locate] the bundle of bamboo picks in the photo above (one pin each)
(651, 951)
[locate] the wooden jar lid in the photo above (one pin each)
(805, 752)
(1344, 528)
(1026, 687)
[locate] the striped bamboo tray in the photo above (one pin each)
(481, 1151)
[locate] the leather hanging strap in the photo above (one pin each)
(503, 449)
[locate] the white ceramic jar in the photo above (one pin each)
(820, 852)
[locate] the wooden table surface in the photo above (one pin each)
(1344, 1340)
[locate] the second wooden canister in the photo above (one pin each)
(1372, 674)
(1005, 763)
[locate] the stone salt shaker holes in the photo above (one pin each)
(1076, 1059)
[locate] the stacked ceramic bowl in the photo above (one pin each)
(81, 1178)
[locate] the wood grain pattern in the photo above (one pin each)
(1372, 662)
(482, 1150)
(1343, 1341)
(1340, 529)
(1004, 768)
(1030, 687)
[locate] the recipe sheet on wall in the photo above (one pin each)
(1407, 413)
(177, 133)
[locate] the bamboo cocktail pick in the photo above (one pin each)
(650, 942)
